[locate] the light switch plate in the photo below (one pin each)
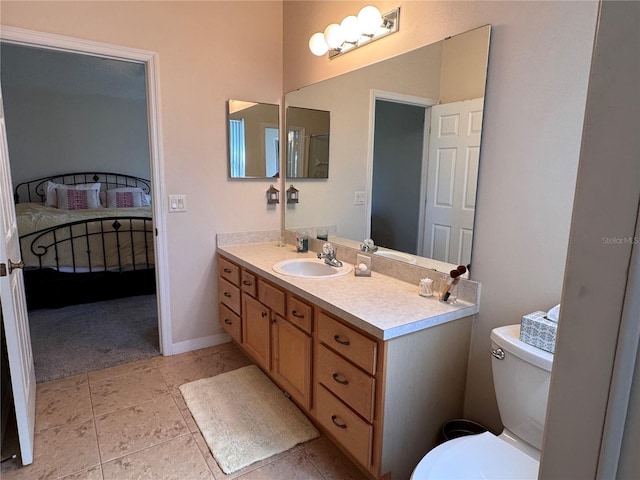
(177, 203)
(358, 198)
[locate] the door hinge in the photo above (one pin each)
(156, 231)
(3, 270)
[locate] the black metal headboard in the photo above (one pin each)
(36, 190)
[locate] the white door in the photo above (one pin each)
(452, 172)
(14, 309)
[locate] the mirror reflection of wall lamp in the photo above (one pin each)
(292, 195)
(355, 31)
(273, 195)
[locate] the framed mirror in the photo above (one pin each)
(307, 143)
(253, 139)
(404, 152)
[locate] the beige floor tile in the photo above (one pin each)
(126, 431)
(55, 407)
(127, 391)
(58, 451)
(204, 366)
(109, 373)
(294, 466)
(330, 461)
(94, 473)
(73, 381)
(177, 459)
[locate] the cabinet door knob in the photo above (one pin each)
(247, 283)
(227, 294)
(341, 342)
(228, 322)
(264, 314)
(227, 270)
(342, 382)
(296, 314)
(339, 425)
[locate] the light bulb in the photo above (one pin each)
(334, 36)
(369, 19)
(317, 45)
(350, 28)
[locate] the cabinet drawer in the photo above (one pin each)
(350, 384)
(229, 271)
(231, 323)
(346, 427)
(272, 297)
(347, 342)
(249, 283)
(229, 295)
(299, 313)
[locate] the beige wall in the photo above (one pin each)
(535, 100)
(201, 66)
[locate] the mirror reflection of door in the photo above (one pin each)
(308, 132)
(397, 173)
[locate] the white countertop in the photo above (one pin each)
(380, 305)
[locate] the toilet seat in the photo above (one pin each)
(482, 456)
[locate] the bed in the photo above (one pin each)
(85, 237)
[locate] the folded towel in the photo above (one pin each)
(553, 314)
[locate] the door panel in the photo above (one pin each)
(454, 153)
(14, 309)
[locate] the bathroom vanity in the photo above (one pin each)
(377, 367)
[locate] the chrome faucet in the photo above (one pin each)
(329, 255)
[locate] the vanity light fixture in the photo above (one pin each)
(355, 31)
(273, 195)
(292, 194)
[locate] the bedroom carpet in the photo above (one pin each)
(244, 417)
(80, 338)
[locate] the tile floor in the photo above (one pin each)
(131, 422)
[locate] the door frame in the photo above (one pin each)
(23, 37)
(426, 103)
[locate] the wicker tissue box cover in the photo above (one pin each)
(536, 330)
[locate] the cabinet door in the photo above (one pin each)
(292, 360)
(256, 331)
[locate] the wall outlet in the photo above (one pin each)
(358, 198)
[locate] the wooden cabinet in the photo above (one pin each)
(383, 402)
(291, 365)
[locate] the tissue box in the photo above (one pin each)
(536, 330)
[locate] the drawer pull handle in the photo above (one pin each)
(341, 342)
(339, 425)
(228, 322)
(247, 283)
(227, 270)
(297, 315)
(264, 314)
(342, 382)
(227, 294)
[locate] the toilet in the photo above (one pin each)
(521, 375)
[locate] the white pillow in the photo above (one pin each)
(126, 197)
(78, 197)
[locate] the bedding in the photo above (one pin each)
(87, 240)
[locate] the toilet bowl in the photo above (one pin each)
(521, 380)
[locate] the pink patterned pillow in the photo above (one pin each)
(124, 197)
(54, 188)
(78, 197)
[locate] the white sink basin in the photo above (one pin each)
(402, 257)
(310, 268)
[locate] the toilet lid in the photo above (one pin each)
(482, 456)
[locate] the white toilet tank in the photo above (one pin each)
(521, 381)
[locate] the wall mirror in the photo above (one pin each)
(253, 140)
(404, 151)
(307, 143)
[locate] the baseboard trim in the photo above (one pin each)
(198, 343)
